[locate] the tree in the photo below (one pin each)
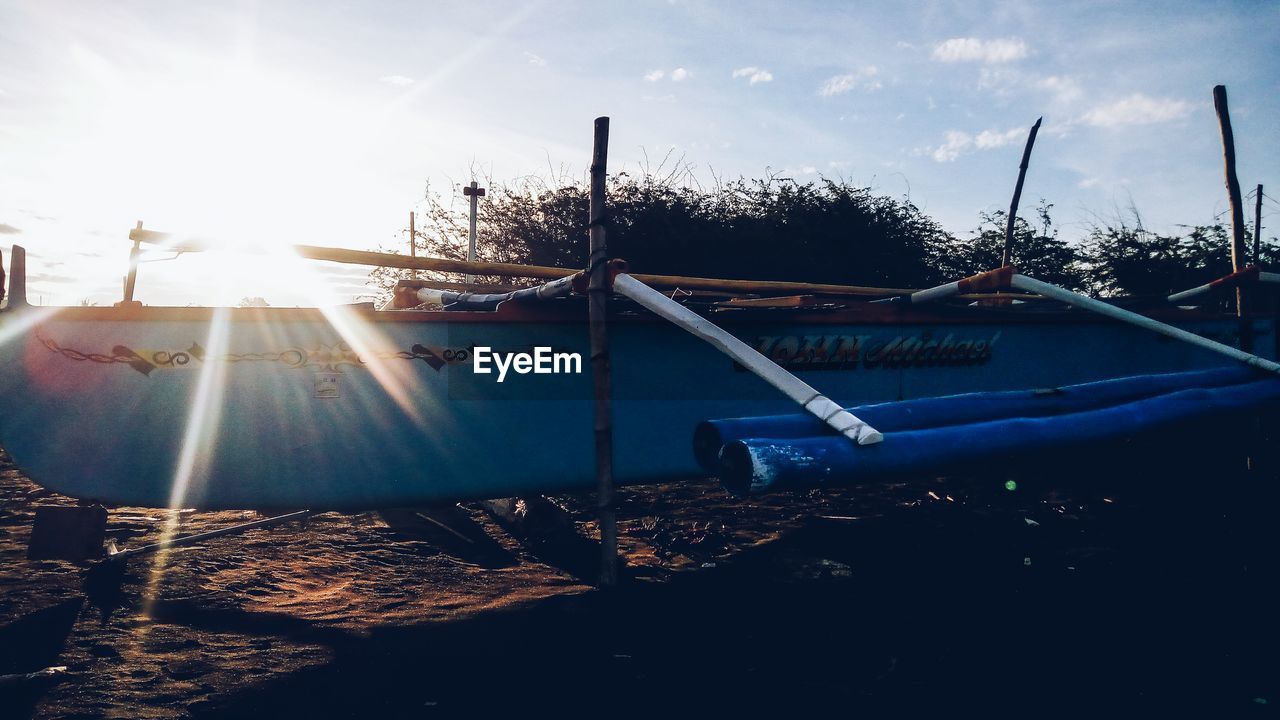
(1036, 251)
(775, 228)
(1126, 258)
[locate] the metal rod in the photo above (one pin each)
(1022, 282)
(1017, 193)
(822, 407)
(597, 304)
(189, 539)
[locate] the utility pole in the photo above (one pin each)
(413, 241)
(1257, 228)
(475, 192)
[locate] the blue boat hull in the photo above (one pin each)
(350, 408)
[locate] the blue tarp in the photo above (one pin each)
(756, 465)
(712, 435)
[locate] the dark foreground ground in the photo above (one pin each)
(1142, 590)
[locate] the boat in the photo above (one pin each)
(356, 407)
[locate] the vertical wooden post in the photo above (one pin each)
(131, 280)
(1017, 192)
(1257, 227)
(1237, 211)
(598, 297)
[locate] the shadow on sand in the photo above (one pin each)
(28, 644)
(1165, 606)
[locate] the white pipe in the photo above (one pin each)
(1199, 290)
(810, 399)
(997, 279)
(1022, 282)
(1267, 277)
(935, 293)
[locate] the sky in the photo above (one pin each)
(256, 123)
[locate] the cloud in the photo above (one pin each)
(754, 75)
(1137, 109)
(800, 170)
(1064, 90)
(535, 59)
(988, 139)
(975, 50)
(957, 143)
(7, 229)
(840, 84)
(676, 75)
(399, 80)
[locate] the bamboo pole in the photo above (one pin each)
(659, 282)
(1017, 192)
(597, 299)
(1237, 210)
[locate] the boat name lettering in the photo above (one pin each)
(542, 361)
(847, 352)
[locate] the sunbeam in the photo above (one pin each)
(363, 337)
(198, 441)
(14, 325)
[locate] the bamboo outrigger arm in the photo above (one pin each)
(1250, 274)
(841, 420)
(997, 279)
(1022, 282)
(1008, 277)
(661, 282)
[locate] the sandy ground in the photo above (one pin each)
(1137, 592)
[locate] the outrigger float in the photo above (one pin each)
(778, 385)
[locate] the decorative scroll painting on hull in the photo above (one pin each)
(323, 358)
